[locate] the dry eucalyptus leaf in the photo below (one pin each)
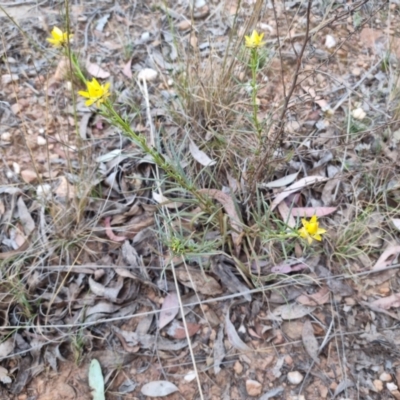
(229, 279)
(200, 156)
(310, 342)
(96, 71)
(292, 311)
(302, 212)
(177, 329)
(83, 125)
(127, 70)
(295, 187)
(4, 378)
(387, 302)
(343, 385)
(315, 299)
(110, 233)
(7, 347)
(25, 217)
(219, 350)
(159, 389)
(233, 336)
(165, 201)
(198, 281)
(102, 291)
(286, 180)
(386, 257)
(396, 223)
(169, 309)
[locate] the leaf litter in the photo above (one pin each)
(86, 253)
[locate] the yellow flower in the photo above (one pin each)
(254, 40)
(311, 229)
(59, 38)
(96, 93)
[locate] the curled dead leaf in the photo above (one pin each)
(110, 233)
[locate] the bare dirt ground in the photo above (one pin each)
(88, 266)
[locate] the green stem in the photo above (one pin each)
(254, 67)
(158, 158)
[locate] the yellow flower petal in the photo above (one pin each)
(83, 94)
(311, 229)
(58, 37)
(254, 40)
(89, 102)
(96, 92)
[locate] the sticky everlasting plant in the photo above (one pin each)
(99, 94)
(311, 230)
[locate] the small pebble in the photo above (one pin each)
(253, 387)
(41, 141)
(294, 377)
(330, 41)
(43, 191)
(385, 377)
(6, 137)
(356, 71)
(391, 386)
(190, 376)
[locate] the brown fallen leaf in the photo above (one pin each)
(387, 302)
(286, 215)
(233, 336)
(96, 71)
(127, 70)
(169, 310)
(198, 281)
(110, 233)
(386, 257)
(295, 187)
(200, 156)
(177, 329)
(308, 212)
(318, 298)
(287, 268)
(310, 342)
(219, 350)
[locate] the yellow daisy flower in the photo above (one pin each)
(59, 38)
(254, 40)
(96, 93)
(311, 229)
